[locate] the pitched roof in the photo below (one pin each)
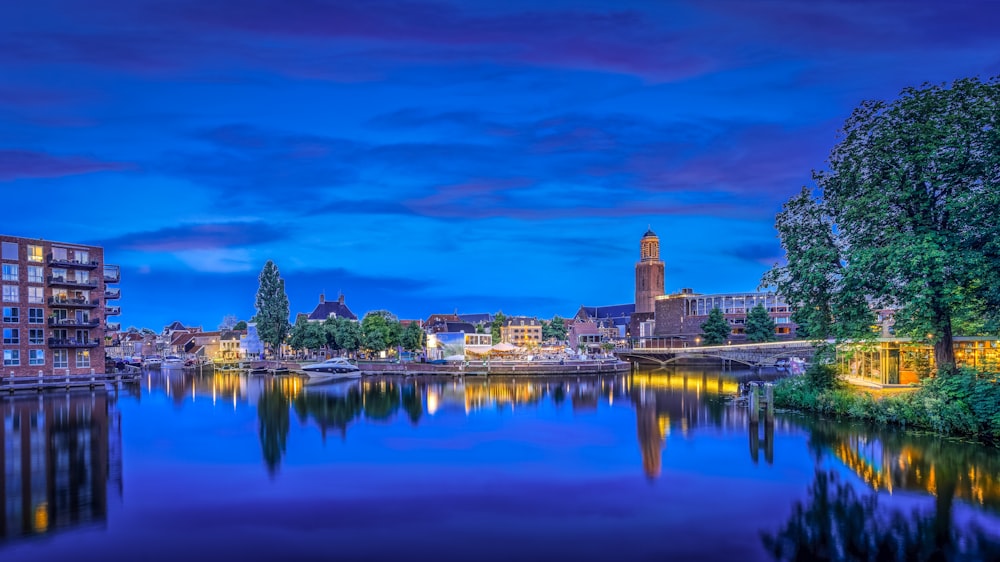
(330, 309)
(439, 318)
(463, 327)
(521, 320)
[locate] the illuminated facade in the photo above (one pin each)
(679, 316)
(648, 273)
(905, 361)
(522, 331)
(56, 298)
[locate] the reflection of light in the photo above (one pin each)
(42, 516)
(432, 401)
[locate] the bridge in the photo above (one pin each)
(749, 354)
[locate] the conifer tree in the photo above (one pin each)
(716, 329)
(759, 326)
(272, 307)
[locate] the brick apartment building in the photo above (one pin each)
(56, 300)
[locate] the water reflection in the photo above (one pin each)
(62, 456)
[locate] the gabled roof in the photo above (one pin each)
(439, 318)
(330, 309)
(181, 339)
(517, 321)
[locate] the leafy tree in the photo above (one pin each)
(413, 337)
(379, 330)
(607, 347)
(241, 326)
(272, 307)
(307, 335)
(716, 328)
(480, 329)
(546, 329)
(558, 327)
(759, 326)
(498, 320)
(348, 335)
(228, 321)
(911, 193)
(147, 332)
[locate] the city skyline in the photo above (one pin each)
(424, 157)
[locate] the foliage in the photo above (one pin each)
(413, 337)
(379, 330)
(228, 322)
(715, 330)
(909, 206)
(966, 403)
(307, 335)
(241, 326)
(147, 332)
(607, 347)
(273, 415)
(555, 329)
(498, 320)
(272, 307)
(759, 325)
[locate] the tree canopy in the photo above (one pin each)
(905, 220)
(498, 320)
(554, 329)
(272, 307)
(716, 328)
(759, 325)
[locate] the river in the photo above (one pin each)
(659, 465)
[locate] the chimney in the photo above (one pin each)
(322, 298)
(340, 299)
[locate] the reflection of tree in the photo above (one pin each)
(381, 400)
(412, 404)
(272, 410)
(559, 394)
(329, 410)
(835, 523)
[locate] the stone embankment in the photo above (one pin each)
(476, 368)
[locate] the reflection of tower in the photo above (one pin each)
(649, 432)
(648, 273)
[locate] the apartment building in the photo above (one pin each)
(56, 300)
(522, 331)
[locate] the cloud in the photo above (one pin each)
(766, 254)
(201, 237)
(24, 164)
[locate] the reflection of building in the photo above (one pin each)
(59, 456)
(651, 431)
(55, 299)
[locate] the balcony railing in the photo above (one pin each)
(64, 282)
(112, 274)
(113, 327)
(112, 310)
(73, 323)
(72, 342)
(112, 294)
(65, 262)
(78, 303)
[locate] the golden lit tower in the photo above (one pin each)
(648, 273)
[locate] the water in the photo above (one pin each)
(657, 466)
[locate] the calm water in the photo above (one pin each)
(658, 466)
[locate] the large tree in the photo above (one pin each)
(759, 325)
(272, 307)
(380, 330)
(412, 337)
(910, 199)
(715, 330)
(498, 319)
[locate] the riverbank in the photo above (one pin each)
(964, 404)
(476, 368)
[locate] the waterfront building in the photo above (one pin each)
(331, 309)
(679, 316)
(648, 274)
(438, 323)
(904, 361)
(484, 319)
(617, 315)
(250, 344)
(521, 331)
(56, 298)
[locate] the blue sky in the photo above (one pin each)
(426, 156)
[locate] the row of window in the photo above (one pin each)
(12, 315)
(12, 293)
(36, 274)
(60, 358)
(12, 336)
(35, 253)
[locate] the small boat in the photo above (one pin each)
(338, 365)
(152, 362)
(173, 361)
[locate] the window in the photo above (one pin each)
(11, 314)
(82, 276)
(36, 274)
(11, 336)
(9, 271)
(36, 357)
(10, 251)
(58, 274)
(11, 293)
(36, 336)
(36, 295)
(82, 256)
(82, 358)
(35, 253)
(36, 316)
(60, 359)
(60, 254)
(11, 357)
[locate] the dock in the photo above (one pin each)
(42, 382)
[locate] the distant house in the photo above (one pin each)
(331, 309)
(438, 323)
(620, 315)
(250, 344)
(484, 319)
(521, 330)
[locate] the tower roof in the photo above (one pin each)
(649, 233)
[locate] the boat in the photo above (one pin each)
(152, 362)
(173, 361)
(339, 365)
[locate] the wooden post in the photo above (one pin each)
(769, 406)
(754, 404)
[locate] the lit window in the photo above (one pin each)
(36, 315)
(11, 293)
(36, 274)
(9, 271)
(11, 357)
(11, 336)
(36, 295)
(35, 253)
(11, 314)
(82, 358)
(60, 359)
(36, 357)
(36, 336)
(10, 251)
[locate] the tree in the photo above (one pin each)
(228, 322)
(241, 326)
(498, 321)
(759, 326)
(272, 307)
(909, 198)
(413, 337)
(716, 328)
(558, 327)
(378, 330)
(147, 332)
(348, 335)
(307, 335)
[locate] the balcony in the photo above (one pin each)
(65, 262)
(73, 323)
(112, 310)
(72, 342)
(112, 274)
(74, 303)
(64, 282)
(110, 294)
(113, 327)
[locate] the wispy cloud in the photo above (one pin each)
(22, 164)
(199, 237)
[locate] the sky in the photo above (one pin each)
(439, 156)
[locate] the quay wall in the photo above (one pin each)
(496, 368)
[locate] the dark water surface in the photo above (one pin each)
(655, 466)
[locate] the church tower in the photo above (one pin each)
(648, 273)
